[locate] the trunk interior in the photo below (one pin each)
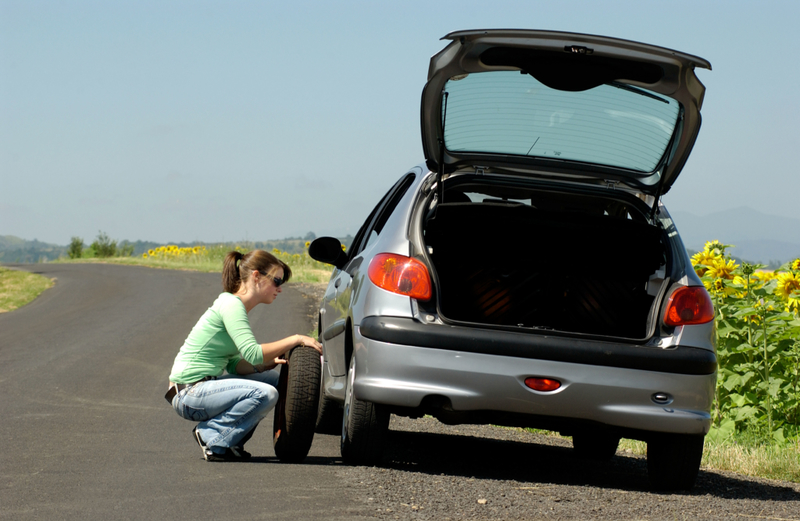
(583, 269)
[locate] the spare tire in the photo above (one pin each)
(296, 410)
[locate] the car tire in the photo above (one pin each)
(594, 445)
(673, 460)
(296, 410)
(365, 426)
(329, 412)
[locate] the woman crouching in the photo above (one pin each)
(229, 406)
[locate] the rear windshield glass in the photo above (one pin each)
(508, 112)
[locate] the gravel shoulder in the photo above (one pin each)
(312, 294)
(435, 471)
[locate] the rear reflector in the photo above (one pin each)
(542, 384)
(689, 305)
(400, 274)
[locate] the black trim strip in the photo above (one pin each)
(406, 331)
(337, 328)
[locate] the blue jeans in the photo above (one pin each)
(228, 408)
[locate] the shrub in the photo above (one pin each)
(75, 250)
(103, 246)
(125, 249)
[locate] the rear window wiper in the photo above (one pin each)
(636, 90)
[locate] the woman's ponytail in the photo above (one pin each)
(238, 267)
(231, 279)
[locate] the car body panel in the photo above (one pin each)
(404, 376)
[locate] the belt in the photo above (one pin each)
(176, 388)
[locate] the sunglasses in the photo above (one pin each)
(278, 281)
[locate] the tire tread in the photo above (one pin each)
(294, 433)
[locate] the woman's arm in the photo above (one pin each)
(281, 347)
(245, 367)
(269, 351)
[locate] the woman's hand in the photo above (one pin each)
(275, 363)
(307, 341)
(279, 348)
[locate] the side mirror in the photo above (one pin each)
(328, 250)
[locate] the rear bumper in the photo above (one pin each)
(406, 331)
(459, 376)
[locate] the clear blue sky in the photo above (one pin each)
(210, 120)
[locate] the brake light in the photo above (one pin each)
(542, 384)
(400, 274)
(689, 305)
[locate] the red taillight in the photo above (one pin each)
(689, 305)
(542, 384)
(400, 274)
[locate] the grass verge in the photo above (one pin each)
(18, 288)
(741, 454)
(301, 272)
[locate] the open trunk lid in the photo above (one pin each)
(562, 105)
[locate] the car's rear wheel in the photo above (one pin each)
(594, 445)
(329, 413)
(365, 426)
(673, 460)
(296, 411)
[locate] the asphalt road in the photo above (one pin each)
(86, 433)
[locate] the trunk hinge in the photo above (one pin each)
(440, 173)
(480, 170)
(611, 184)
(657, 196)
(671, 148)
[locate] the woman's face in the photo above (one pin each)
(266, 287)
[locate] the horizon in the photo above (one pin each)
(752, 246)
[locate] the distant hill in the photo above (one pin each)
(757, 237)
(13, 249)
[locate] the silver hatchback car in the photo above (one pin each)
(527, 274)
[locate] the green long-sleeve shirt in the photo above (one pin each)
(220, 339)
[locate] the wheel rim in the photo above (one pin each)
(348, 398)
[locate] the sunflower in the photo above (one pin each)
(721, 269)
(754, 284)
(788, 283)
(715, 247)
(308, 243)
(703, 258)
(796, 264)
(764, 276)
(719, 287)
(793, 305)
